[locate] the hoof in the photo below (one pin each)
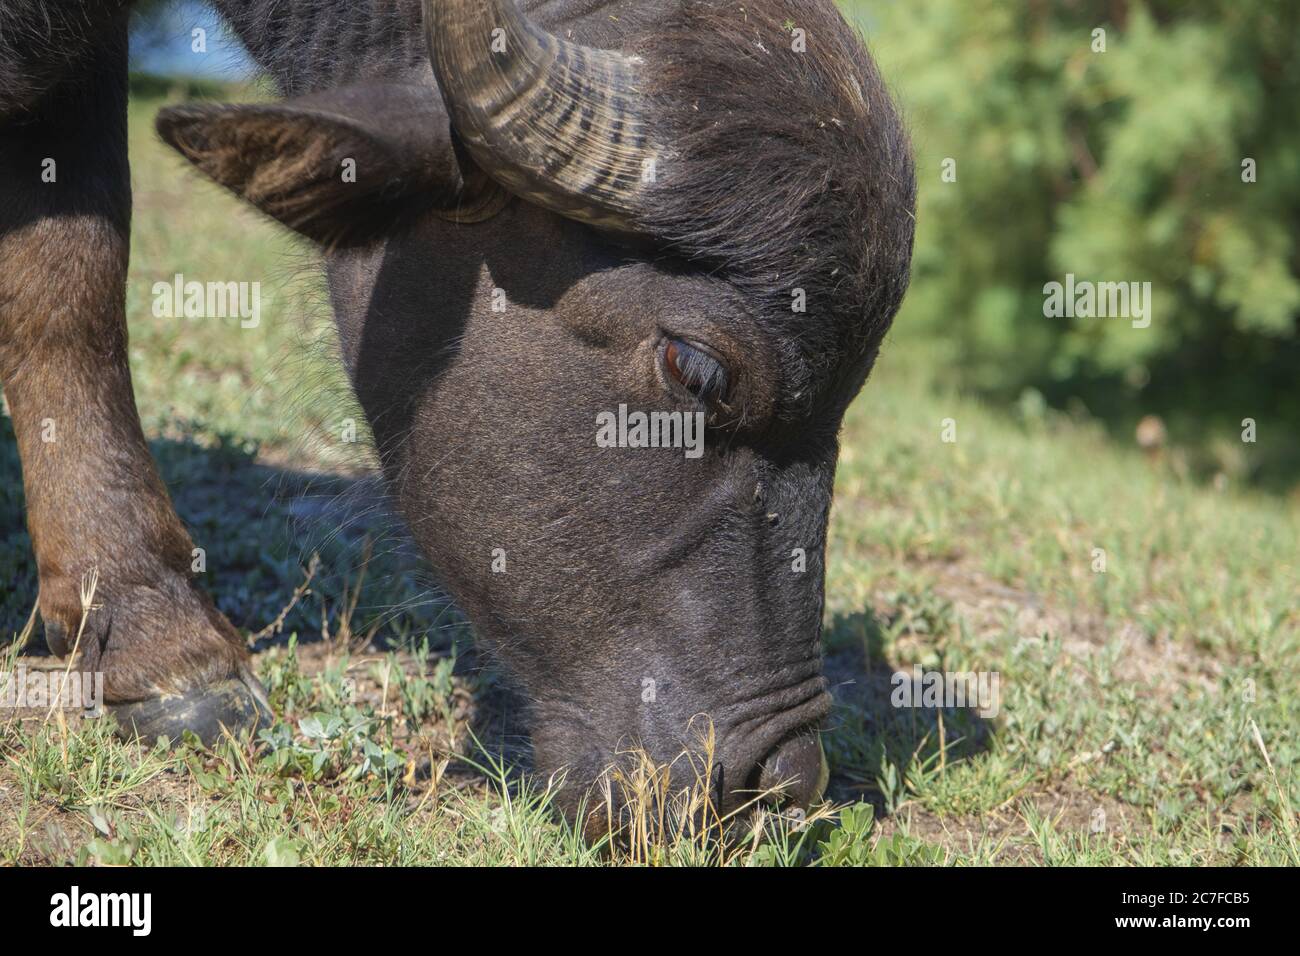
(236, 704)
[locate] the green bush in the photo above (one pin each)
(1122, 165)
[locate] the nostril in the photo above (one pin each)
(795, 772)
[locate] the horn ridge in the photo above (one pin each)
(560, 124)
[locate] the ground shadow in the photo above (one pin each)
(873, 745)
(265, 530)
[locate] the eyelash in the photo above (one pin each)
(695, 370)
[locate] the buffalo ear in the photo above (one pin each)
(337, 167)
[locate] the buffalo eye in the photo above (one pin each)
(695, 369)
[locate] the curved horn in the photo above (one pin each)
(562, 125)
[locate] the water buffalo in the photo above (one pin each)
(559, 222)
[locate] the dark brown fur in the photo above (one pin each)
(788, 169)
(94, 498)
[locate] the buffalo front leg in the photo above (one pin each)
(95, 502)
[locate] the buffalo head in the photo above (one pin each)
(605, 306)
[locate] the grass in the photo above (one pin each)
(1146, 716)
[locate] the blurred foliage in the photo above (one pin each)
(177, 87)
(1123, 165)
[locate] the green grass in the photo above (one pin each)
(1127, 698)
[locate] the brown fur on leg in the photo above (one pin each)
(94, 497)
